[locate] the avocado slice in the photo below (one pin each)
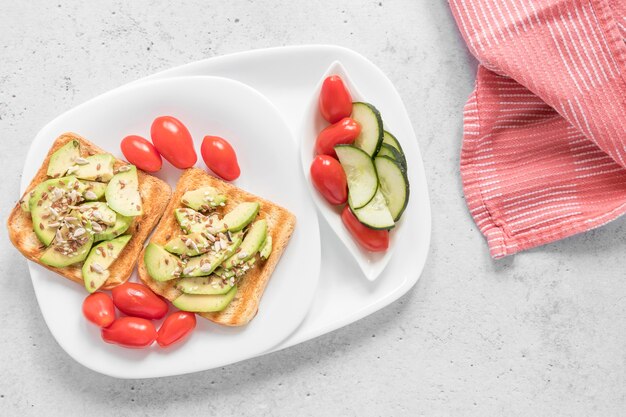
(161, 265)
(203, 199)
(122, 192)
(101, 256)
(98, 212)
(189, 245)
(48, 203)
(266, 249)
(204, 265)
(203, 285)
(204, 303)
(63, 158)
(250, 245)
(239, 217)
(224, 273)
(97, 167)
(192, 221)
(71, 243)
(122, 223)
(93, 190)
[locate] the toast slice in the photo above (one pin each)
(280, 224)
(155, 195)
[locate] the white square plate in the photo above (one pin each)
(288, 77)
(270, 168)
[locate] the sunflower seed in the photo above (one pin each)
(90, 195)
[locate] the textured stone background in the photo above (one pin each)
(539, 334)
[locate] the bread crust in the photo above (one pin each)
(155, 195)
(281, 224)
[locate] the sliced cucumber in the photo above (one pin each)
(375, 214)
(391, 140)
(394, 185)
(371, 136)
(360, 172)
(391, 152)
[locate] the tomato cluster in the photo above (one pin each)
(136, 330)
(327, 174)
(171, 140)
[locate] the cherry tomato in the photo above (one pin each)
(329, 179)
(98, 308)
(335, 99)
(220, 157)
(137, 300)
(370, 239)
(176, 327)
(138, 151)
(173, 141)
(130, 332)
(344, 131)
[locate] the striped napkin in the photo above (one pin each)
(544, 141)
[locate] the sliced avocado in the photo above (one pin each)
(99, 212)
(94, 168)
(122, 223)
(122, 192)
(204, 265)
(180, 246)
(192, 221)
(203, 285)
(56, 193)
(63, 158)
(93, 190)
(250, 245)
(203, 199)
(239, 217)
(266, 249)
(161, 265)
(224, 273)
(101, 256)
(198, 303)
(71, 244)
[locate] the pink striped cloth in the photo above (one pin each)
(544, 141)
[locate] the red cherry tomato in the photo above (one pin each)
(138, 151)
(220, 157)
(335, 99)
(173, 141)
(176, 327)
(98, 308)
(329, 179)
(130, 332)
(137, 300)
(344, 131)
(370, 239)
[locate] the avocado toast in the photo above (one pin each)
(201, 263)
(108, 211)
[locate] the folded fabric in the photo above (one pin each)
(544, 141)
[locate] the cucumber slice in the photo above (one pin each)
(391, 152)
(394, 185)
(391, 140)
(375, 214)
(371, 136)
(360, 172)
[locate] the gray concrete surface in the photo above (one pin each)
(539, 334)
